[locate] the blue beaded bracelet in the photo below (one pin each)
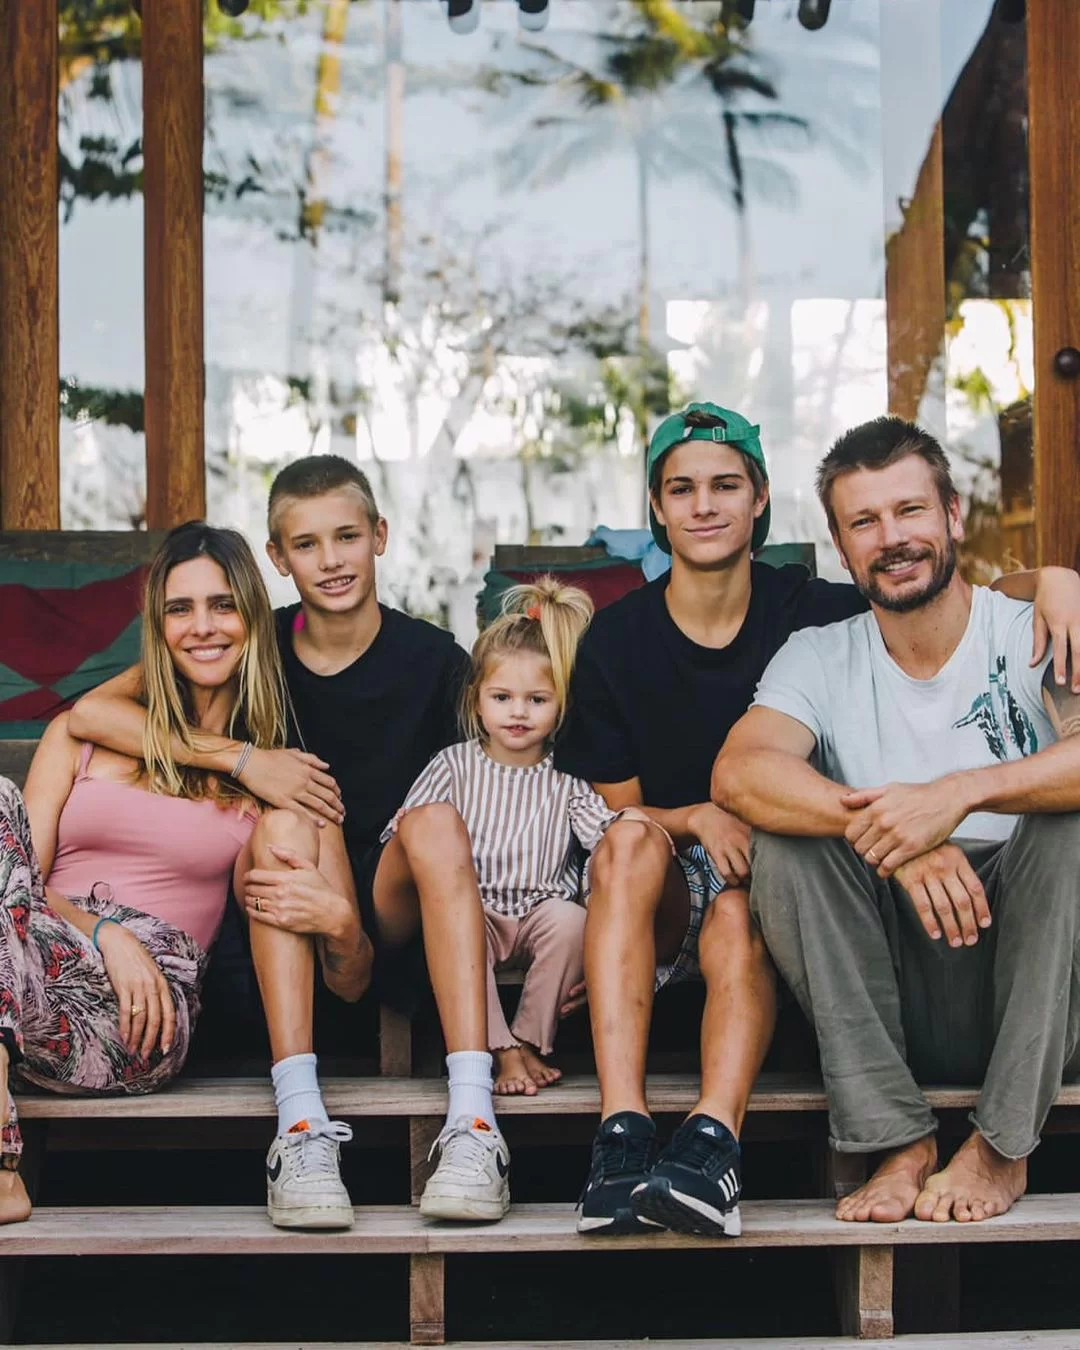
(93, 935)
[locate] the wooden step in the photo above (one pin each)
(212, 1230)
(864, 1251)
(353, 1098)
(981, 1340)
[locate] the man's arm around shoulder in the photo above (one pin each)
(762, 775)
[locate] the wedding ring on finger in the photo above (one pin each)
(258, 905)
(135, 1010)
(872, 856)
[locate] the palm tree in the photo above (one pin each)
(641, 94)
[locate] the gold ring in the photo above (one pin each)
(135, 1010)
(871, 855)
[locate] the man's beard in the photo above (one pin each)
(944, 567)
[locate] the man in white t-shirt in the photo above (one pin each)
(914, 784)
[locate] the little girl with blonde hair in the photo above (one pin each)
(524, 818)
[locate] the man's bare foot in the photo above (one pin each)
(512, 1076)
(542, 1073)
(891, 1192)
(977, 1184)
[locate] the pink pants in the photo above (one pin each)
(549, 945)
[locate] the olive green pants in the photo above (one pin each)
(893, 1008)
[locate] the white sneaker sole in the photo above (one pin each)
(311, 1216)
(463, 1207)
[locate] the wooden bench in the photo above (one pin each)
(863, 1254)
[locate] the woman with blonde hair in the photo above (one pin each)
(114, 870)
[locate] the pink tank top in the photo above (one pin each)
(167, 856)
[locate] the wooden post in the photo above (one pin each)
(1053, 29)
(915, 287)
(427, 1299)
(866, 1292)
(29, 268)
(423, 1131)
(395, 1043)
(172, 57)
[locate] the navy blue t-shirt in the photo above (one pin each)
(378, 721)
(647, 702)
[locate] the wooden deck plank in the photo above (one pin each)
(991, 1340)
(212, 1230)
(390, 1096)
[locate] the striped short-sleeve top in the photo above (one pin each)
(522, 823)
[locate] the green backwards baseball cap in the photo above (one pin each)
(732, 429)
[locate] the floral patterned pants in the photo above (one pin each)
(58, 1012)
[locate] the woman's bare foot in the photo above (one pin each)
(14, 1201)
(977, 1184)
(512, 1075)
(891, 1192)
(542, 1074)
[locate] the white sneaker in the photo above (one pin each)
(303, 1177)
(470, 1181)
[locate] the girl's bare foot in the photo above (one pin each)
(977, 1184)
(891, 1192)
(512, 1076)
(14, 1201)
(542, 1074)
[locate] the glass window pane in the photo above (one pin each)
(102, 445)
(483, 265)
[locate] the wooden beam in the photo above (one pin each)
(427, 1300)
(172, 56)
(1053, 28)
(29, 268)
(915, 287)
(866, 1295)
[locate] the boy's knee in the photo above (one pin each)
(629, 847)
(729, 934)
(286, 829)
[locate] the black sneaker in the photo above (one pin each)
(622, 1153)
(696, 1182)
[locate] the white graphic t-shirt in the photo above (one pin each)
(874, 724)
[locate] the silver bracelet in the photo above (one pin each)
(242, 759)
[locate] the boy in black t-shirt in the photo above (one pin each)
(661, 677)
(375, 694)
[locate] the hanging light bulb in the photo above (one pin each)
(533, 14)
(233, 8)
(814, 14)
(463, 16)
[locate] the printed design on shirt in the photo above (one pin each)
(1007, 729)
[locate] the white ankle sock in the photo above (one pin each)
(470, 1086)
(296, 1091)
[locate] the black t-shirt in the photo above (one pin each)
(649, 703)
(378, 721)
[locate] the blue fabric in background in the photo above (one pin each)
(632, 546)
